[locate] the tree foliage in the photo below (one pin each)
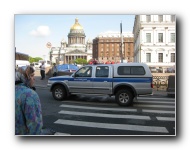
(80, 61)
(35, 59)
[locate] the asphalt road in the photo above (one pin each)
(97, 115)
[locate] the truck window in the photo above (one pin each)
(84, 72)
(102, 71)
(137, 70)
(131, 70)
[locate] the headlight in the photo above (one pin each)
(50, 82)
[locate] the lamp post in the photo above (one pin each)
(121, 48)
(48, 45)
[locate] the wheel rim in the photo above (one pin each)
(123, 97)
(58, 93)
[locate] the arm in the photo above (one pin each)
(33, 113)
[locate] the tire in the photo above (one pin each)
(124, 97)
(59, 92)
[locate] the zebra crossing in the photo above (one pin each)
(147, 116)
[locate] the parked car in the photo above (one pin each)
(67, 68)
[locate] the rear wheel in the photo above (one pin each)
(59, 92)
(124, 97)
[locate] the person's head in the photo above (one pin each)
(54, 64)
(29, 75)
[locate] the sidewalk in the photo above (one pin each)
(43, 83)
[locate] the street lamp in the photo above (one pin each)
(48, 45)
(121, 48)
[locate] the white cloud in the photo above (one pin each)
(41, 31)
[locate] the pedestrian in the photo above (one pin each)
(28, 113)
(54, 69)
(32, 65)
(42, 70)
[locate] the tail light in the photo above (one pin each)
(152, 85)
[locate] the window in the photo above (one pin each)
(148, 57)
(172, 37)
(172, 18)
(160, 57)
(160, 37)
(84, 72)
(172, 57)
(102, 71)
(131, 70)
(137, 70)
(148, 37)
(148, 18)
(160, 18)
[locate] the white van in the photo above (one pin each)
(47, 62)
(36, 65)
(20, 63)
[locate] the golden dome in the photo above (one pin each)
(76, 26)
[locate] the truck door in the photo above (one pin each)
(82, 81)
(102, 82)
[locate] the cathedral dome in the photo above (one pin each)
(76, 26)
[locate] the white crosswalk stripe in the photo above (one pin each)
(158, 111)
(144, 109)
(60, 133)
(166, 118)
(104, 115)
(112, 126)
(99, 108)
(157, 106)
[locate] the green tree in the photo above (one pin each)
(81, 61)
(36, 59)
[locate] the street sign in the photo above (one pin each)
(48, 45)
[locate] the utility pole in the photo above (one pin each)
(48, 45)
(121, 49)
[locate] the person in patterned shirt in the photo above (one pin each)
(28, 113)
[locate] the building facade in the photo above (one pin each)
(155, 41)
(76, 47)
(107, 47)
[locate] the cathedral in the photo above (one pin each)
(76, 47)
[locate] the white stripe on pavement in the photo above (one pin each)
(99, 108)
(157, 106)
(159, 98)
(165, 118)
(60, 133)
(158, 111)
(113, 126)
(161, 102)
(105, 115)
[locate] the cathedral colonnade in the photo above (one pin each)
(70, 58)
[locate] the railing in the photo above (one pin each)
(160, 82)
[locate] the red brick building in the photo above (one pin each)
(107, 47)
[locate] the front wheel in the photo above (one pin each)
(124, 97)
(59, 92)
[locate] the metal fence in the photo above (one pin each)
(160, 83)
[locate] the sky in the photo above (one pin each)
(32, 32)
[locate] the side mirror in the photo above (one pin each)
(74, 75)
